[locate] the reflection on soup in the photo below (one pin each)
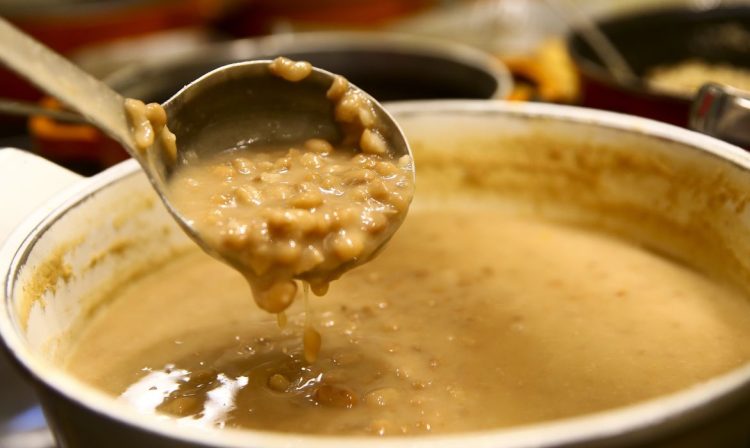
(470, 319)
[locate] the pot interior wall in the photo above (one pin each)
(82, 256)
(673, 198)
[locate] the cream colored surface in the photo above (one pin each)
(470, 319)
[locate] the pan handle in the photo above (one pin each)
(26, 182)
(722, 112)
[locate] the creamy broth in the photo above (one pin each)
(470, 319)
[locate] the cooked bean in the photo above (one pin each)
(364, 160)
(335, 396)
(222, 171)
(319, 288)
(246, 194)
(290, 70)
(278, 382)
(277, 297)
(347, 108)
(310, 258)
(283, 163)
(318, 145)
(376, 222)
(386, 168)
(242, 165)
(169, 143)
(304, 221)
(359, 176)
(377, 190)
(235, 241)
(143, 131)
(277, 218)
(372, 143)
(366, 115)
(287, 252)
(182, 406)
(323, 222)
(310, 160)
(338, 88)
(348, 217)
(309, 199)
(156, 115)
(398, 201)
(348, 245)
(359, 193)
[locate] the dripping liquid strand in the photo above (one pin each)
(311, 340)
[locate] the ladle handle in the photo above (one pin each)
(60, 78)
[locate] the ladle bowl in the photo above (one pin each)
(239, 104)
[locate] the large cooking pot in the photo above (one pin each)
(678, 192)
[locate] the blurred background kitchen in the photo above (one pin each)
(150, 48)
(653, 55)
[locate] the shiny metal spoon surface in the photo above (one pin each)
(238, 105)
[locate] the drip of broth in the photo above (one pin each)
(470, 319)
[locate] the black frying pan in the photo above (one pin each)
(651, 38)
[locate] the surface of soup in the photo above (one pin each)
(470, 319)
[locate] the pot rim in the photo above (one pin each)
(329, 41)
(632, 420)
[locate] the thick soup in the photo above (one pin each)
(470, 319)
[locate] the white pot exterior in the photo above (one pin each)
(117, 209)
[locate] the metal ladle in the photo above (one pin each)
(238, 105)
